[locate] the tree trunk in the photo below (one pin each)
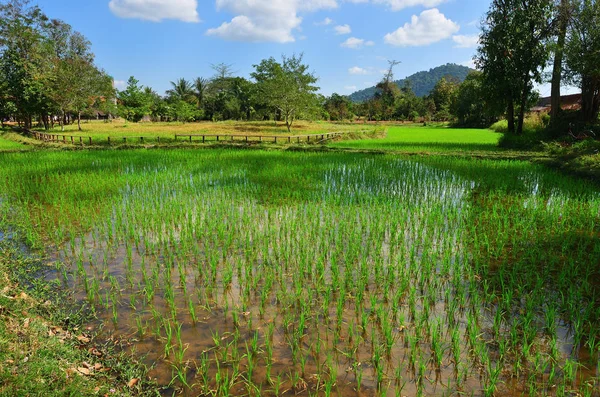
(64, 120)
(558, 60)
(523, 105)
(510, 115)
(590, 99)
(79, 120)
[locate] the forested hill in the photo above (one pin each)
(422, 82)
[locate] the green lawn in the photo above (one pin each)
(429, 139)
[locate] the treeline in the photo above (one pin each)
(47, 71)
(450, 100)
(283, 90)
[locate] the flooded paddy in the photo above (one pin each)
(254, 273)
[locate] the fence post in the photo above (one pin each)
(190, 139)
(109, 141)
(72, 140)
(158, 139)
(203, 138)
(289, 139)
(90, 141)
(142, 139)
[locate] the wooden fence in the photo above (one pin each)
(87, 140)
(258, 138)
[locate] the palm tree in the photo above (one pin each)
(182, 91)
(200, 85)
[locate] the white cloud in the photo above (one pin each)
(350, 88)
(470, 64)
(466, 41)
(342, 29)
(356, 43)
(265, 20)
(120, 84)
(397, 5)
(428, 28)
(357, 70)
(156, 10)
(325, 22)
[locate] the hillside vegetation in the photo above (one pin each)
(422, 82)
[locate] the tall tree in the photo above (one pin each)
(287, 86)
(582, 53)
(23, 57)
(513, 52)
(563, 12)
(388, 91)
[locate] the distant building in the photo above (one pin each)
(567, 102)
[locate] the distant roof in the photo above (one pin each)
(566, 101)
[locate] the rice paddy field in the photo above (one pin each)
(266, 273)
(8, 144)
(430, 139)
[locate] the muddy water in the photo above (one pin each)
(222, 295)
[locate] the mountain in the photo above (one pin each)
(422, 82)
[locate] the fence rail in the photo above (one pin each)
(260, 138)
(88, 140)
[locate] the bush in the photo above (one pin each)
(532, 124)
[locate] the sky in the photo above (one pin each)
(346, 43)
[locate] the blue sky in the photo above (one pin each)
(346, 42)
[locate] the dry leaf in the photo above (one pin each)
(132, 382)
(83, 339)
(83, 371)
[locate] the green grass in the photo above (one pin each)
(44, 348)
(429, 140)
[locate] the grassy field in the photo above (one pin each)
(119, 128)
(240, 272)
(429, 139)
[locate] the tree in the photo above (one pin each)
(513, 52)
(471, 107)
(23, 58)
(200, 87)
(582, 53)
(563, 14)
(75, 82)
(444, 96)
(287, 87)
(135, 103)
(339, 107)
(388, 91)
(182, 90)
